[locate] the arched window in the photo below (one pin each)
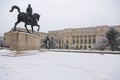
(80, 47)
(89, 46)
(77, 46)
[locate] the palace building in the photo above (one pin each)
(79, 38)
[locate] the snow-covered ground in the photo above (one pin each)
(45, 65)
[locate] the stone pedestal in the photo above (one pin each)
(21, 41)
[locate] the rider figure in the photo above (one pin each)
(29, 11)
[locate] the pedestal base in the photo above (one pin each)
(24, 41)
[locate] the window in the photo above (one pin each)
(73, 36)
(94, 36)
(85, 41)
(94, 40)
(67, 41)
(89, 46)
(73, 41)
(85, 36)
(60, 46)
(81, 36)
(80, 47)
(81, 41)
(85, 47)
(77, 36)
(77, 41)
(89, 36)
(62, 41)
(77, 46)
(59, 41)
(89, 41)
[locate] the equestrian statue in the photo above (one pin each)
(28, 18)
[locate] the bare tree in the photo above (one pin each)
(53, 43)
(101, 44)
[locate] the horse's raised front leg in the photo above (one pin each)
(26, 28)
(38, 27)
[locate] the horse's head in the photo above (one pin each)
(36, 16)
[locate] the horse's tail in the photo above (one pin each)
(15, 7)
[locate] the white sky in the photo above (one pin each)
(60, 14)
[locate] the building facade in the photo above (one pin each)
(80, 38)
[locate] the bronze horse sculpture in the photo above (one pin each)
(22, 17)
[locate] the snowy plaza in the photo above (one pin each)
(48, 65)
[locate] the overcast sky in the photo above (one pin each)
(60, 14)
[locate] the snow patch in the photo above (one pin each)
(59, 66)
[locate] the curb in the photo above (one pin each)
(84, 51)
